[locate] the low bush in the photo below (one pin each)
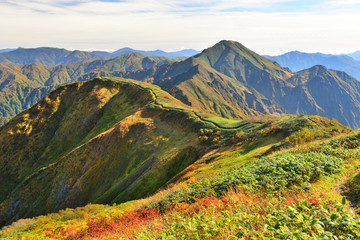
(275, 173)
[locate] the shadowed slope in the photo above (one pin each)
(325, 92)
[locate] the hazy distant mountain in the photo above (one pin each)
(46, 56)
(355, 55)
(325, 92)
(7, 50)
(297, 61)
(156, 53)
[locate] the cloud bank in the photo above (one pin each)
(262, 25)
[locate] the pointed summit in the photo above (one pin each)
(232, 58)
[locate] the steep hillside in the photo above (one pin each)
(297, 61)
(46, 56)
(236, 61)
(88, 142)
(325, 92)
(210, 91)
(232, 81)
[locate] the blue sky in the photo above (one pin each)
(266, 26)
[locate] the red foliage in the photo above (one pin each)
(315, 201)
(126, 225)
(138, 216)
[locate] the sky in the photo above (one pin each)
(265, 26)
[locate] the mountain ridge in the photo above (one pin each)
(297, 61)
(154, 53)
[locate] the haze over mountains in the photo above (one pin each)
(54, 56)
(296, 61)
(46, 56)
(227, 79)
(155, 53)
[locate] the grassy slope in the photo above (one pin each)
(211, 91)
(97, 128)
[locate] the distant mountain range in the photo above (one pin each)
(46, 56)
(7, 50)
(297, 61)
(355, 55)
(156, 53)
(56, 56)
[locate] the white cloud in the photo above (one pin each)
(174, 24)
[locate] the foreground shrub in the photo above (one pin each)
(276, 173)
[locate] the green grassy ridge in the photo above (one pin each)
(218, 122)
(175, 144)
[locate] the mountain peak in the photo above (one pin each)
(318, 68)
(231, 43)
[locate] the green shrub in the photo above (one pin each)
(304, 135)
(275, 173)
